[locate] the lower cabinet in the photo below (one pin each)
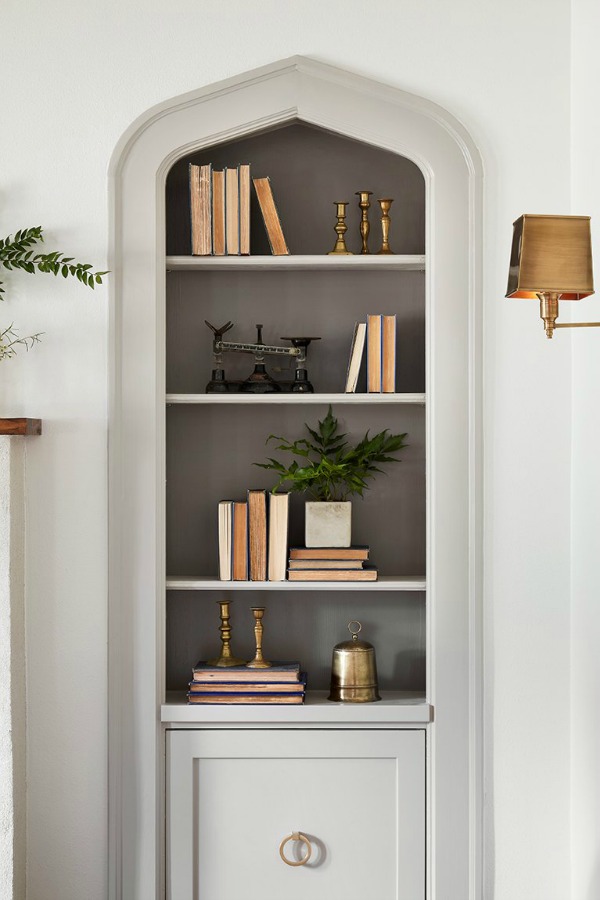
(351, 804)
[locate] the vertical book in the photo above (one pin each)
(244, 189)
(200, 209)
(225, 539)
(388, 377)
(232, 213)
(266, 201)
(257, 534)
(218, 213)
(374, 337)
(278, 535)
(356, 355)
(240, 542)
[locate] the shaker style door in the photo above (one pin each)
(296, 815)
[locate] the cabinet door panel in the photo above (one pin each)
(359, 796)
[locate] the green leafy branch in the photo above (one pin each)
(17, 253)
(327, 467)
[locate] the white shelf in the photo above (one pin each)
(301, 399)
(368, 263)
(395, 707)
(384, 583)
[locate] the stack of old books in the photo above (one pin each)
(330, 564)
(282, 682)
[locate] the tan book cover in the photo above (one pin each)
(232, 213)
(248, 687)
(240, 542)
(266, 201)
(246, 698)
(325, 564)
(278, 535)
(257, 534)
(374, 337)
(218, 213)
(369, 574)
(203, 672)
(244, 189)
(388, 378)
(329, 552)
(200, 209)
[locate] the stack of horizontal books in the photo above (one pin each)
(330, 564)
(281, 683)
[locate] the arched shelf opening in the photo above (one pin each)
(316, 131)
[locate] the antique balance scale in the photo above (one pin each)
(259, 382)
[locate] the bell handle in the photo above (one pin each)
(296, 836)
(354, 631)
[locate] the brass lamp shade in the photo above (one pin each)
(551, 255)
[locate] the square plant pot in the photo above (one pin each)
(328, 524)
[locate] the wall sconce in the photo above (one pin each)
(551, 259)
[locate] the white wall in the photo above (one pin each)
(73, 77)
(585, 634)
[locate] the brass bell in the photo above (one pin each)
(354, 670)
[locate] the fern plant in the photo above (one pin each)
(20, 252)
(328, 467)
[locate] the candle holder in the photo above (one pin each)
(365, 227)
(226, 658)
(258, 662)
(385, 225)
(340, 229)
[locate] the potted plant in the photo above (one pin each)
(18, 253)
(331, 471)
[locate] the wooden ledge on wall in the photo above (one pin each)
(20, 426)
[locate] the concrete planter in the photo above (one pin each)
(328, 524)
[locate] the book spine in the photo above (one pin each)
(270, 215)
(244, 190)
(200, 209)
(389, 355)
(278, 536)
(218, 213)
(257, 534)
(232, 213)
(374, 342)
(240, 542)
(225, 539)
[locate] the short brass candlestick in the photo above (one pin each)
(226, 658)
(258, 662)
(340, 229)
(365, 227)
(385, 225)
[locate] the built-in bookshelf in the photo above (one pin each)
(213, 439)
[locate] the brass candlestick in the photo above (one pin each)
(365, 227)
(340, 229)
(385, 225)
(226, 658)
(258, 662)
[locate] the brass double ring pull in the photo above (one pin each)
(296, 836)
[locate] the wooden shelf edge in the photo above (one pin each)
(23, 427)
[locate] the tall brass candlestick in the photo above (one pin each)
(258, 662)
(226, 658)
(365, 227)
(340, 229)
(385, 225)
